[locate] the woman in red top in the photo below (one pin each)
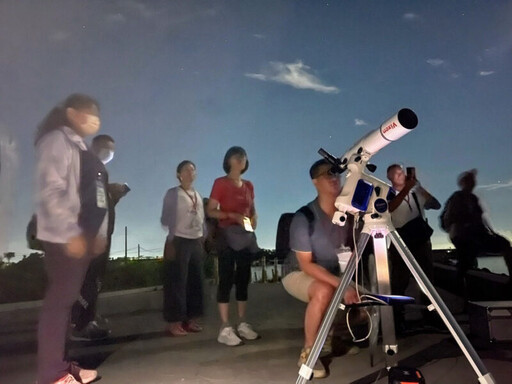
(232, 203)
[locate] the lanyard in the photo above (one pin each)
(192, 197)
(407, 200)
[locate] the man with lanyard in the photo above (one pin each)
(86, 321)
(318, 245)
(409, 202)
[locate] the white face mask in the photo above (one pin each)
(105, 155)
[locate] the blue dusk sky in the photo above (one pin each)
(189, 79)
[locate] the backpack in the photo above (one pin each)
(444, 220)
(283, 250)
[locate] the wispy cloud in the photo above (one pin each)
(295, 74)
(486, 73)
(360, 122)
(495, 186)
(59, 36)
(139, 7)
(259, 36)
(116, 18)
(409, 16)
(435, 62)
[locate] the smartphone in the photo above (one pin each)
(411, 172)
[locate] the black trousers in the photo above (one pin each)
(183, 279)
(65, 276)
(234, 268)
(400, 274)
(84, 309)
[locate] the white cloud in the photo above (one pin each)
(294, 74)
(435, 62)
(259, 36)
(486, 73)
(257, 76)
(498, 185)
(410, 16)
(59, 36)
(360, 122)
(116, 18)
(139, 8)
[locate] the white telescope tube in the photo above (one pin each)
(391, 130)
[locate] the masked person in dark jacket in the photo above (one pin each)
(87, 323)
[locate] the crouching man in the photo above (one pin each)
(316, 243)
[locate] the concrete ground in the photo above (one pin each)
(139, 352)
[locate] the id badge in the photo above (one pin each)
(247, 225)
(101, 196)
(344, 254)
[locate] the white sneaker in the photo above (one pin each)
(228, 336)
(245, 330)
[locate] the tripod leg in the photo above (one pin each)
(484, 377)
(306, 371)
(373, 339)
(384, 287)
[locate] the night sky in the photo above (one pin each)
(188, 79)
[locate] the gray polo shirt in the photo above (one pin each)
(324, 241)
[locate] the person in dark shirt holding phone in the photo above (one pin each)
(87, 324)
(410, 201)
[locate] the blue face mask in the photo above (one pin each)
(105, 155)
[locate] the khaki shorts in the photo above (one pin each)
(297, 284)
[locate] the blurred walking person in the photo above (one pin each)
(183, 216)
(471, 234)
(232, 203)
(72, 219)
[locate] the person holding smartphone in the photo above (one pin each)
(232, 203)
(87, 324)
(409, 201)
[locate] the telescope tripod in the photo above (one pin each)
(378, 228)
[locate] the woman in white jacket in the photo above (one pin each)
(72, 223)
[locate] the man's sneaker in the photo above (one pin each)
(85, 376)
(228, 336)
(319, 371)
(245, 330)
(68, 379)
(90, 332)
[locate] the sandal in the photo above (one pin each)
(175, 329)
(192, 326)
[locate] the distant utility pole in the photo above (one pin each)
(125, 243)
(138, 251)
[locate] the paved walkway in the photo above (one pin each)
(139, 352)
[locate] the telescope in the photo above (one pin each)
(362, 192)
(369, 195)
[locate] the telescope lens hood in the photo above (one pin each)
(407, 118)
